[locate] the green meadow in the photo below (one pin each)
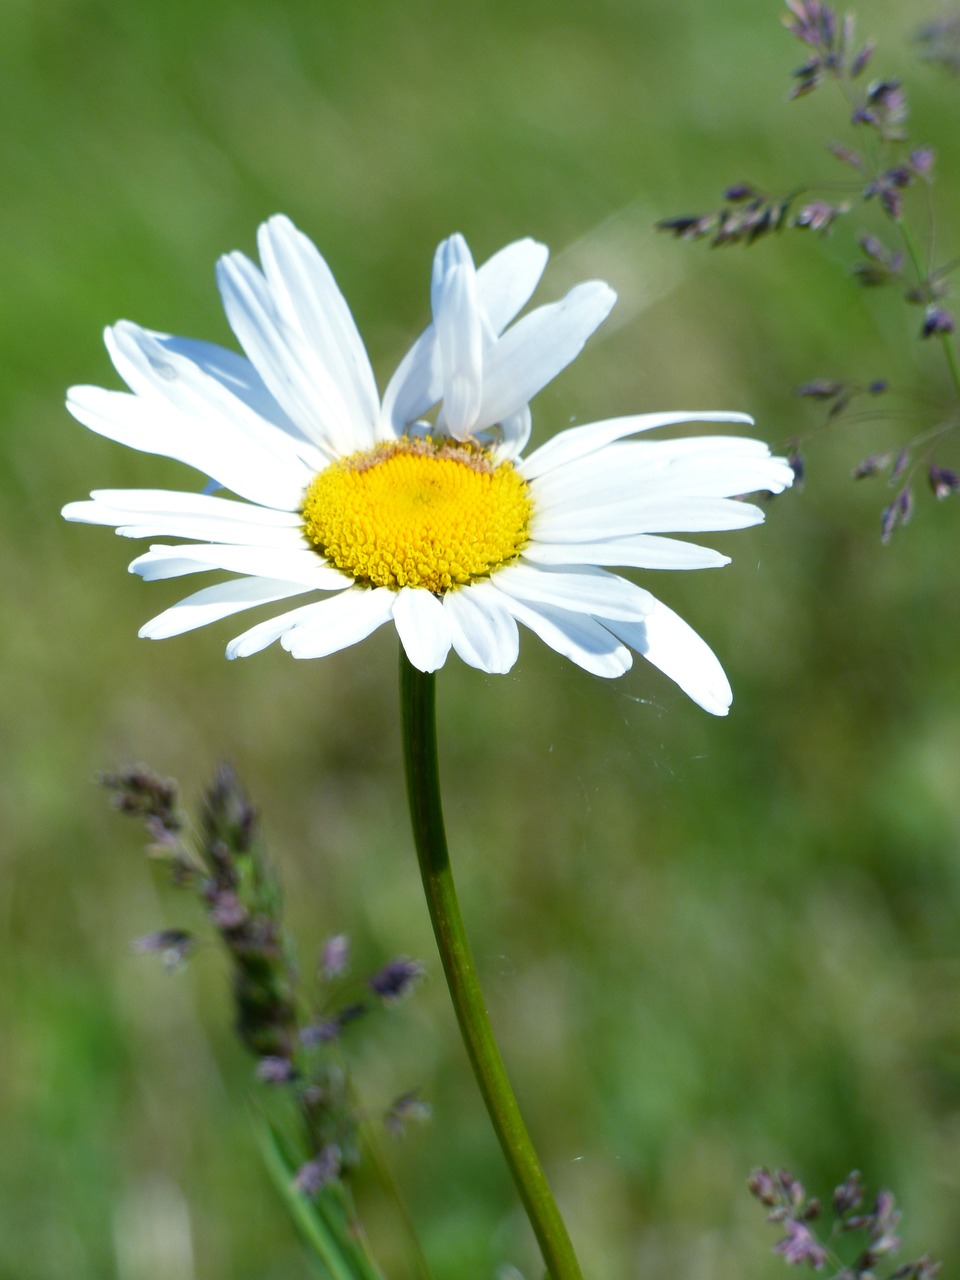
(706, 944)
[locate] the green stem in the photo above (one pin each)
(949, 350)
(324, 1222)
(418, 699)
(916, 258)
(389, 1184)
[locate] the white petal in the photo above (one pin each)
(514, 434)
(416, 386)
(247, 535)
(701, 466)
(150, 513)
(213, 603)
(157, 369)
(237, 462)
(451, 254)
(718, 477)
(483, 632)
(296, 565)
(183, 501)
(264, 633)
(642, 551)
(583, 590)
(458, 328)
(671, 644)
(309, 298)
(238, 376)
(338, 623)
(574, 636)
(650, 515)
(295, 374)
(577, 442)
(505, 282)
(423, 627)
(537, 347)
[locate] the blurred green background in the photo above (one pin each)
(707, 944)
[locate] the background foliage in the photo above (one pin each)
(706, 944)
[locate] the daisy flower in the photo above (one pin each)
(379, 514)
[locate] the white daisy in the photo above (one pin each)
(442, 528)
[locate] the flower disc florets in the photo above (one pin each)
(418, 512)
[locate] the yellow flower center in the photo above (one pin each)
(418, 513)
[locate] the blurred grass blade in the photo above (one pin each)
(323, 1222)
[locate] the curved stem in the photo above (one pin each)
(418, 699)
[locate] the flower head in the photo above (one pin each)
(438, 525)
